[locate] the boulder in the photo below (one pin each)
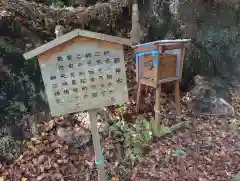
(209, 96)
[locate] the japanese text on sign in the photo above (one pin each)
(84, 79)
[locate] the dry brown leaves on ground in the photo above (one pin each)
(210, 147)
(207, 150)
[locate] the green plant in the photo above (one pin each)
(159, 130)
(133, 138)
(122, 108)
(178, 152)
(59, 3)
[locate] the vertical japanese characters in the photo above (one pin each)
(87, 77)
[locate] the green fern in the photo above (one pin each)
(133, 138)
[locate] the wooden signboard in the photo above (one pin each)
(84, 74)
(83, 71)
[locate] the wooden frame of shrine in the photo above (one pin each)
(159, 62)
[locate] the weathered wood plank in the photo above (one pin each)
(83, 74)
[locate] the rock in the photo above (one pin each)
(209, 96)
(76, 138)
(9, 149)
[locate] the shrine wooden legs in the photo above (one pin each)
(139, 95)
(158, 98)
(177, 98)
(158, 105)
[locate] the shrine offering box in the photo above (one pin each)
(159, 62)
(166, 64)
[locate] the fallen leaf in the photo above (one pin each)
(40, 177)
(33, 139)
(115, 179)
(202, 179)
(50, 125)
(23, 179)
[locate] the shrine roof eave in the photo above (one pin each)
(163, 42)
(75, 33)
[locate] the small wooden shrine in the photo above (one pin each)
(159, 62)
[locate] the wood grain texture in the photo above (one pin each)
(166, 66)
(146, 48)
(73, 34)
(66, 46)
(83, 74)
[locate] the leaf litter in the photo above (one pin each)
(207, 150)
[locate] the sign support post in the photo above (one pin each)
(99, 158)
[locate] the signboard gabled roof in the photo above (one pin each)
(73, 34)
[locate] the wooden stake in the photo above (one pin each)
(140, 68)
(97, 146)
(181, 61)
(139, 97)
(158, 105)
(177, 98)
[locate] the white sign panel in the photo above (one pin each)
(83, 77)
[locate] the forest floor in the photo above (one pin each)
(210, 147)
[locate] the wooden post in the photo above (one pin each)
(158, 105)
(59, 30)
(139, 74)
(135, 34)
(158, 90)
(181, 61)
(139, 97)
(177, 98)
(99, 159)
(177, 82)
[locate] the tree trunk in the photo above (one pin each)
(136, 30)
